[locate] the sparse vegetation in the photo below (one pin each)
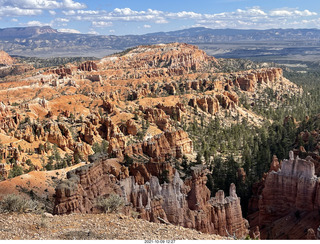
(110, 204)
(19, 204)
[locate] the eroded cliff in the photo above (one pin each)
(186, 203)
(288, 200)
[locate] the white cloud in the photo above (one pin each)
(255, 11)
(69, 12)
(30, 4)
(126, 12)
(15, 11)
(14, 20)
(36, 7)
(184, 14)
(280, 13)
(72, 10)
(89, 12)
(62, 20)
(42, 4)
(69, 31)
(291, 13)
(101, 24)
(36, 23)
(73, 5)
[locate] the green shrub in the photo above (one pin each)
(15, 171)
(111, 204)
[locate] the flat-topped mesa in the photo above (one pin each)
(290, 190)
(181, 203)
(158, 60)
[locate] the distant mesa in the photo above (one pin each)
(25, 32)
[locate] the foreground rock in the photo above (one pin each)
(91, 227)
(181, 203)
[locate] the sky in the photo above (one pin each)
(125, 17)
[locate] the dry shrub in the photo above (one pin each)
(15, 203)
(111, 204)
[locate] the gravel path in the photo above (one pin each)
(91, 227)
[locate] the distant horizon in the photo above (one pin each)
(22, 27)
(125, 17)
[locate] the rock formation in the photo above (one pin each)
(181, 203)
(290, 194)
(158, 61)
(6, 59)
(163, 146)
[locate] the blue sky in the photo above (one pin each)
(122, 17)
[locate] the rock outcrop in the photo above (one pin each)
(247, 80)
(6, 59)
(181, 203)
(162, 147)
(289, 194)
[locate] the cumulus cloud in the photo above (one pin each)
(36, 7)
(256, 11)
(42, 4)
(251, 17)
(291, 13)
(72, 10)
(72, 5)
(15, 11)
(184, 14)
(257, 18)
